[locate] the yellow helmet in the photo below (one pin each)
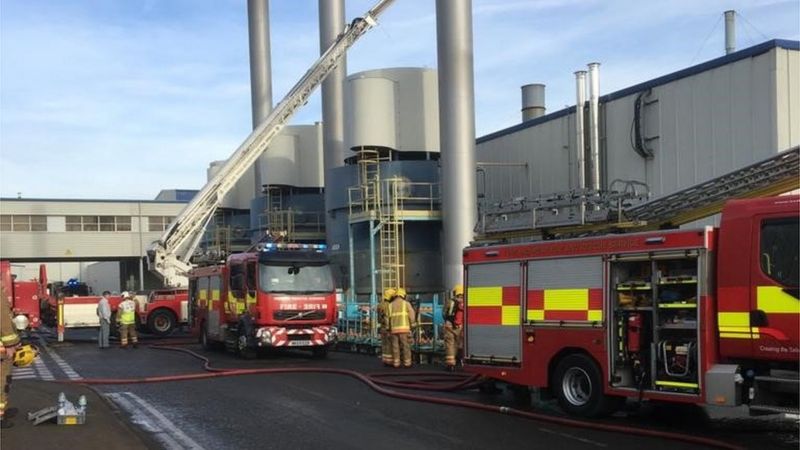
(458, 290)
(389, 293)
(400, 292)
(25, 355)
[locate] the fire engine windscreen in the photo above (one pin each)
(295, 278)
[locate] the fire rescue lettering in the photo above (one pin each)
(565, 304)
(493, 305)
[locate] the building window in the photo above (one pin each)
(159, 223)
(19, 222)
(98, 223)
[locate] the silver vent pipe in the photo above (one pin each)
(457, 132)
(532, 101)
(331, 24)
(580, 141)
(594, 125)
(730, 31)
(260, 69)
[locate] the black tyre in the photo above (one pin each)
(161, 322)
(578, 384)
(319, 352)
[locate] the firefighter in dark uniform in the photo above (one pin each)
(453, 327)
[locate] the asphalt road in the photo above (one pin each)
(330, 411)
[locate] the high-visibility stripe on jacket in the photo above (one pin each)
(401, 316)
(8, 334)
(127, 312)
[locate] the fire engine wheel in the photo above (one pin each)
(578, 386)
(161, 323)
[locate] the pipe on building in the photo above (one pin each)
(580, 130)
(331, 24)
(532, 101)
(730, 31)
(594, 125)
(260, 69)
(456, 132)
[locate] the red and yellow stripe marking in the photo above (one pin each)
(565, 304)
(493, 305)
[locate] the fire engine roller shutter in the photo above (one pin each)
(493, 312)
(565, 289)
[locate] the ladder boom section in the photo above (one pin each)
(170, 256)
(581, 212)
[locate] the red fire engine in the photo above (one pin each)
(164, 310)
(24, 297)
(280, 296)
(705, 316)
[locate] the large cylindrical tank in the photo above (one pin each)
(372, 112)
(294, 158)
(396, 108)
(278, 165)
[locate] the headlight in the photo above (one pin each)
(21, 322)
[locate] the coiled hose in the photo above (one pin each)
(382, 382)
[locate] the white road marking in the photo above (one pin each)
(26, 373)
(42, 370)
(63, 365)
(152, 420)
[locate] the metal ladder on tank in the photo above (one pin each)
(392, 241)
(280, 220)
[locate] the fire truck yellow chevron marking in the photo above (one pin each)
(510, 315)
(485, 296)
(566, 299)
(773, 300)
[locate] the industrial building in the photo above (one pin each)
(669, 133)
(99, 242)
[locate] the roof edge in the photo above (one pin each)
(748, 52)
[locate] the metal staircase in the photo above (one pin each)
(626, 205)
(280, 221)
(380, 200)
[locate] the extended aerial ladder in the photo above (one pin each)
(170, 256)
(627, 205)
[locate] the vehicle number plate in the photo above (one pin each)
(299, 343)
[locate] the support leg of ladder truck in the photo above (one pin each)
(60, 318)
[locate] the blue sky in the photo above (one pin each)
(121, 98)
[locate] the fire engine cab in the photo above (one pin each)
(282, 295)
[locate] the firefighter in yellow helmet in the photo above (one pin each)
(383, 320)
(126, 316)
(9, 341)
(401, 320)
(453, 327)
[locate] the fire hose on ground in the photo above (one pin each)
(383, 382)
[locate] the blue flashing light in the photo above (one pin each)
(271, 247)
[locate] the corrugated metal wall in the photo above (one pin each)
(703, 125)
